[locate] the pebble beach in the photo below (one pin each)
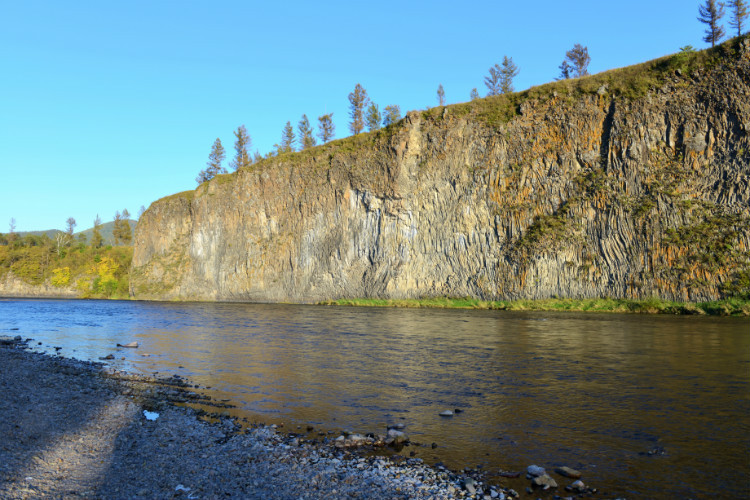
(74, 429)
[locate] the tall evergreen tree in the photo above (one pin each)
(579, 60)
(96, 237)
(326, 128)
(739, 14)
(391, 114)
(508, 72)
(565, 70)
(441, 95)
(12, 236)
(213, 165)
(287, 139)
(710, 14)
(242, 144)
(257, 157)
(70, 227)
(126, 235)
(373, 117)
(493, 81)
(474, 94)
(116, 228)
(215, 158)
(358, 100)
(305, 133)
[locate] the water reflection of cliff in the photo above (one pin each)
(584, 390)
(594, 392)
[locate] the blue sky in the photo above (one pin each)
(112, 105)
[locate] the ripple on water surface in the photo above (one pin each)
(595, 392)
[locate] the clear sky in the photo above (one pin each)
(106, 105)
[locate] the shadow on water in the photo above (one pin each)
(596, 392)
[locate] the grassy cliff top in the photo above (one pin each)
(630, 82)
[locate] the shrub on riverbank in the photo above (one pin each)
(729, 307)
(93, 272)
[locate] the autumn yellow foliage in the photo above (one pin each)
(60, 276)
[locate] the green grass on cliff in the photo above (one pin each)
(630, 82)
(730, 307)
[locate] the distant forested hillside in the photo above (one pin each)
(106, 231)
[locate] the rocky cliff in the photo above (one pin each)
(631, 184)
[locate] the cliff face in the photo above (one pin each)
(559, 191)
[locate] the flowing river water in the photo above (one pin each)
(644, 406)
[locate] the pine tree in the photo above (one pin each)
(70, 226)
(507, 73)
(241, 144)
(257, 157)
(287, 139)
(116, 228)
(357, 102)
(493, 80)
(391, 114)
(12, 236)
(373, 117)
(474, 94)
(739, 14)
(441, 95)
(305, 131)
(710, 15)
(213, 165)
(126, 235)
(579, 60)
(326, 128)
(96, 237)
(565, 70)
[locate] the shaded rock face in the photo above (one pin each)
(588, 197)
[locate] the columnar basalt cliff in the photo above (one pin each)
(631, 184)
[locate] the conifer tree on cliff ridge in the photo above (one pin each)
(710, 15)
(739, 14)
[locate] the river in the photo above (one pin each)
(644, 406)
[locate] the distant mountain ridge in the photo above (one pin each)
(106, 231)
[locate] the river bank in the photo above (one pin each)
(617, 397)
(728, 307)
(74, 429)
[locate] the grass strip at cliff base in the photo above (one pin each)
(727, 307)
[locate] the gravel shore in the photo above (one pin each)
(73, 429)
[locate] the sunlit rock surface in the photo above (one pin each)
(580, 195)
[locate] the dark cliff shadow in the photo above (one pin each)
(46, 404)
(606, 135)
